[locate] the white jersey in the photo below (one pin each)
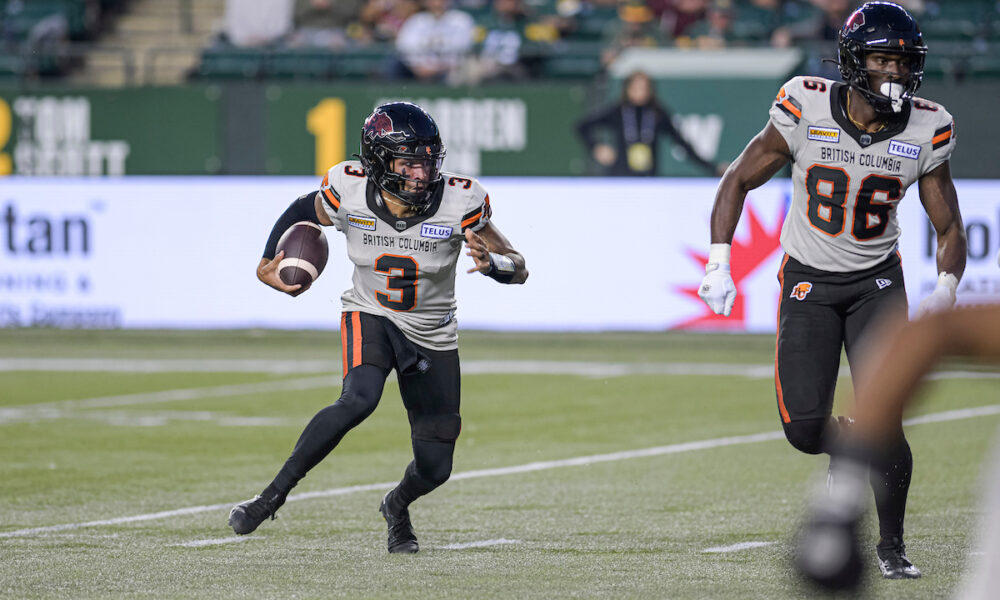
(846, 183)
(404, 268)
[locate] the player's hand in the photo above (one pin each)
(267, 272)
(478, 250)
(942, 298)
(717, 289)
(604, 155)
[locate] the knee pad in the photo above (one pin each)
(807, 435)
(356, 406)
(435, 428)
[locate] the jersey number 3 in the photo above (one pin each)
(400, 281)
(828, 187)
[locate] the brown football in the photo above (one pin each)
(306, 251)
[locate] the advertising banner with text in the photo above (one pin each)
(604, 254)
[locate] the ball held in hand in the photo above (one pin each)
(306, 251)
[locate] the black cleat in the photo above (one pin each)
(402, 540)
(247, 516)
(893, 563)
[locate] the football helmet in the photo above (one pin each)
(401, 130)
(881, 27)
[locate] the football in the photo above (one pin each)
(306, 251)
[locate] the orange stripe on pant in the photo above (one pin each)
(356, 329)
(777, 378)
(343, 343)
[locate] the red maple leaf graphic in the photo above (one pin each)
(746, 257)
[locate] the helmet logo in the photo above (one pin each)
(856, 22)
(378, 125)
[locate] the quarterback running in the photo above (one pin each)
(405, 222)
(855, 147)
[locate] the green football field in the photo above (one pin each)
(589, 466)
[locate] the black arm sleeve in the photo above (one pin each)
(301, 209)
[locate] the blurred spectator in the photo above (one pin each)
(822, 25)
(636, 123)
(716, 29)
(818, 33)
(381, 20)
(324, 23)
(251, 23)
(506, 33)
(634, 27)
(755, 21)
(431, 44)
(677, 16)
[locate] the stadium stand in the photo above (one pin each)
(127, 42)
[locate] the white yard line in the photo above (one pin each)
(215, 542)
(953, 415)
(480, 544)
(736, 547)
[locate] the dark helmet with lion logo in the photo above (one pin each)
(401, 130)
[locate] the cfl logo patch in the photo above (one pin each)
(801, 290)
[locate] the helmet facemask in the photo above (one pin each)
(400, 182)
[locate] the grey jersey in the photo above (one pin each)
(846, 183)
(404, 269)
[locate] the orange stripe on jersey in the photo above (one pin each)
(791, 108)
(471, 220)
(777, 379)
(356, 329)
(331, 198)
(941, 138)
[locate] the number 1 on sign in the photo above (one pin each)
(326, 121)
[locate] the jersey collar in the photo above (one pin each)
(838, 103)
(401, 223)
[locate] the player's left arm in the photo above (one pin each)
(937, 194)
(494, 256)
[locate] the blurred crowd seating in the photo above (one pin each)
(512, 39)
(34, 33)
(558, 39)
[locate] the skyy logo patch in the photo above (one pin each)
(903, 149)
(366, 223)
(437, 232)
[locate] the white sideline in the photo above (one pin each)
(469, 367)
(952, 415)
(736, 547)
(479, 544)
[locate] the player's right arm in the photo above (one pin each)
(307, 207)
(764, 156)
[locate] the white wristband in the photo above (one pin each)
(718, 254)
(948, 282)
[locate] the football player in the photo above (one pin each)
(405, 222)
(827, 550)
(855, 147)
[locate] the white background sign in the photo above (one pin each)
(627, 254)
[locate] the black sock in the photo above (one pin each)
(890, 479)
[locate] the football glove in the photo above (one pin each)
(717, 288)
(942, 298)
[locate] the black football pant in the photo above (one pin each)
(431, 398)
(820, 314)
